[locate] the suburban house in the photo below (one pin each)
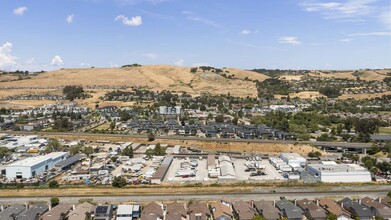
(378, 209)
(243, 210)
(334, 208)
(356, 209)
(312, 210)
(221, 211)
(128, 212)
(289, 210)
(199, 211)
(103, 212)
(83, 211)
(176, 211)
(12, 212)
(59, 212)
(152, 211)
(34, 213)
(267, 209)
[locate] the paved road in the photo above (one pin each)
(267, 194)
(319, 143)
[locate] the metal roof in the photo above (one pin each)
(71, 160)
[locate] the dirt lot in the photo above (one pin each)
(205, 145)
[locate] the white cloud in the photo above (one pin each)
(30, 61)
(20, 10)
(192, 17)
(133, 21)
(199, 64)
(385, 18)
(151, 56)
(289, 40)
(69, 18)
(245, 32)
(57, 61)
(350, 10)
(180, 62)
(346, 40)
(6, 59)
(370, 34)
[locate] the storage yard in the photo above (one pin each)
(180, 164)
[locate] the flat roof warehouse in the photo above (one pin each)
(30, 162)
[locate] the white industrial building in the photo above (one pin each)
(293, 159)
(333, 172)
(226, 168)
(164, 110)
(30, 167)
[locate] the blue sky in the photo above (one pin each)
(283, 34)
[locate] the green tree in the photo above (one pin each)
(53, 145)
(119, 182)
(54, 201)
(318, 154)
(151, 136)
(75, 149)
(88, 151)
(368, 162)
(54, 184)
(128, 151)
(112, 125)
(73, 92)
(331, 216)
(4, 152)
(124, 115)
(219, 118)
(330, 92)
(258, 217)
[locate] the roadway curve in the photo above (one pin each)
(318, 143)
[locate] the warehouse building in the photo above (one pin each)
(294, 160)
(162, 170)
(31, 167)
(226, 168)
(333, 172)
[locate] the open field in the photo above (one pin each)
(26, 104)
(14, 92)
(8, 77)
(363, 96)
(242, 74)
(290, 77)
(155, 77)
(275, 187)
(306, 95)
(385, 130)
(270, 148)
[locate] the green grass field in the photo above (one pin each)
(385, 130)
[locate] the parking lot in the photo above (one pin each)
(201, 171)
(242, 175)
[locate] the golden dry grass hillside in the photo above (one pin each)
(154, 77)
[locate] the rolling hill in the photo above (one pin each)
(154, 77)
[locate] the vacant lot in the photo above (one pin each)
(25, 104)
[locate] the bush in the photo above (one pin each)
(54, 201)
(54, 184)
(119, 182)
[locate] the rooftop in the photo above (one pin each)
(332, 168)
(29, 162)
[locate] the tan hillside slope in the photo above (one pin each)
(155, 77)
